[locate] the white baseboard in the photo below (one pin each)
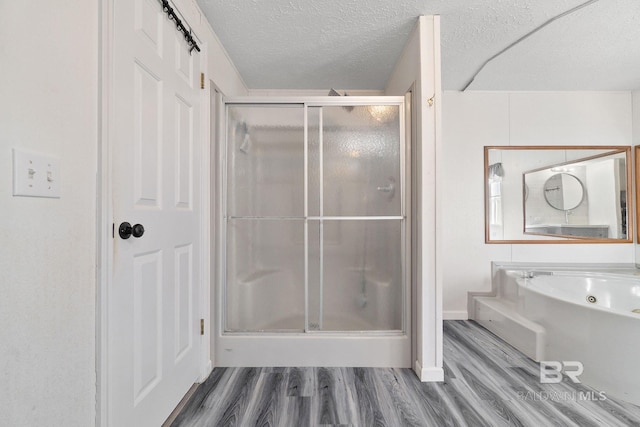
(455, 315)
(427, 375)
(206, 372)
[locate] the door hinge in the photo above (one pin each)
(201, 326)
(113, 230)
(201, 80)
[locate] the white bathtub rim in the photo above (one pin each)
(585, 273)
(587, 305)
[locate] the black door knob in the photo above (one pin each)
(126, 230)
(138, 230)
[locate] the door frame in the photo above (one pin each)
(220, 199)
(104, 210)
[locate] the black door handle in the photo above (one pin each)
(126, 230)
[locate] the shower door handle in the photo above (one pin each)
(390, 188)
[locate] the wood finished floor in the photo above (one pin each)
(487, 383)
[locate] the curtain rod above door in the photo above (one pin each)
(187, 32)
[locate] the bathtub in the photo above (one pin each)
(562, 313)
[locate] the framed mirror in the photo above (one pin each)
(562, 191)
(557, 194)
(637, 150)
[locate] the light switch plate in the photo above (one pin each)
(35, 175)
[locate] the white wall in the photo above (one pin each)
(472, 120)
(49, 87)
(420, 64)
(49, 82)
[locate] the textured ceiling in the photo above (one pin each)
(354, 44)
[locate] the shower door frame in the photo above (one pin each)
(309, 347)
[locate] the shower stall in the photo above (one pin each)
(314, 237)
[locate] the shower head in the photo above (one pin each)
(246, 143)
(334, 92)
(243, 130)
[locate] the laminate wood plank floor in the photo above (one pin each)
(487, 383)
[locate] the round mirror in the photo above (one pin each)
(563, 191)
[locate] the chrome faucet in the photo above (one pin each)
(566, 215)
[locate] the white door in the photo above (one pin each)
(153, 317)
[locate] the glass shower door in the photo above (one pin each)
(356, 218)
(315, 228)
(265, 218)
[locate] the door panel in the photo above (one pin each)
(147, 137)
(149, 22)
(147, 323)
(183, 63)
(153, 299)
(183, 153)
(183, 300)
